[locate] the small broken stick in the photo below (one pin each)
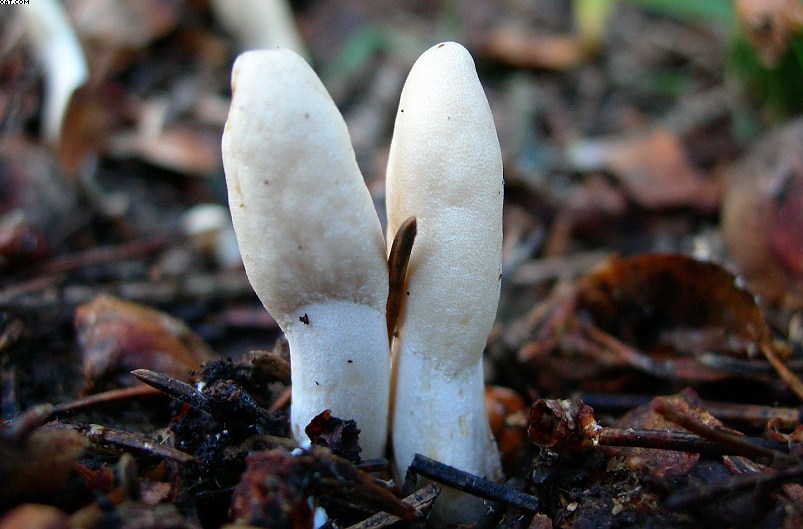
(224, 400)
(101, 436)
(174, 388)
(471, 484)
(421, 500)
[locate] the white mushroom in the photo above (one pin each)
(310, 240)
(445, 168)
(60, 52)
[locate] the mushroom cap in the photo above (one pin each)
(305, 222)
(445, 168)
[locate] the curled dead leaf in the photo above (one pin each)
(642, 300)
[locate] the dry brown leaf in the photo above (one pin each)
(657, 172)
(118, 336)
(639, 298)
(340, 436)
(94, 112)
(520, 48)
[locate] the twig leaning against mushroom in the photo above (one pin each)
(445, 169)
(310, 239)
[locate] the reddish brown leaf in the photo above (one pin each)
(657, 172)
(118, 336)
(340, 436)
(502, 404)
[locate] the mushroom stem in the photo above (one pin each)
(338, 360)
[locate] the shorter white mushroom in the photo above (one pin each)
(445, 169)
(310, 240)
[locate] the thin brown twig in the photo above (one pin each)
(104, 436)
(667, 440)
(629, 355)
(174, 388)
(764, 480)
(734, 443)
(101, 255)
(791, 380)
(555, 423)
(272, 364)
(421, 500)
(106, 397)
(753, 414)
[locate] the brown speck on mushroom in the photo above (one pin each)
(304, 319)
(349, 361)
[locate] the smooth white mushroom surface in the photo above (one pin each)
(445, 168)
(310, 240)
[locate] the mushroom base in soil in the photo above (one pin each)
(344, 347)
(454, 424)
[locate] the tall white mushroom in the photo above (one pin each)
(445, 168)
(310, 240)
